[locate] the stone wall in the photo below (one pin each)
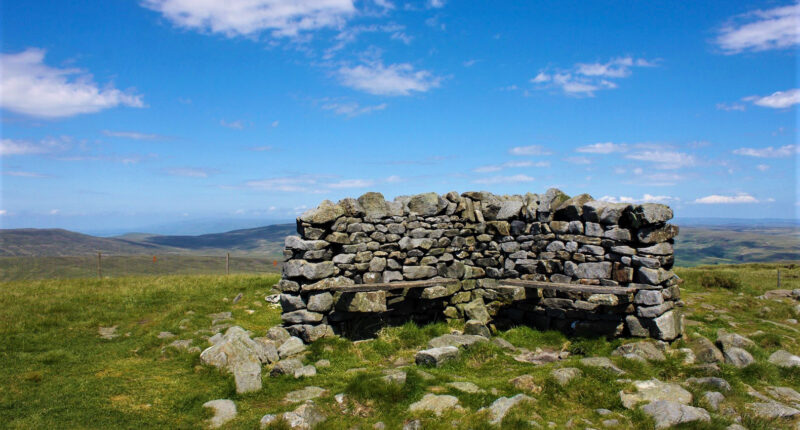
(480, 239)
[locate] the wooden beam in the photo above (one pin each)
(578, 288)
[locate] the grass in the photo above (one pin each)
(59, 373)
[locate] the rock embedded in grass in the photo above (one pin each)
(644, 349)
(783, 358)
(457, 340)
(224, 410)
(668, 413)
(713, 399)
(239, 355)
(772, 410)
(654, 390)
(286, 367)
(466, 387)
(602, 363)
(434, 403)
(306, 393)
(436, 356)
(711, 381)
(566, 374)
(500, 407)
(738, 357)
(107, 333)
(291, 347)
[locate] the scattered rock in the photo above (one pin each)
(165, 335)
(705, 351)
(224, 410)
(291, 347)
(737, 357)
(772, 410)
(323, 363)
(184, 344)
(477, 328)
(107, 333)
(220, 317)
(526, 383)
(727, 340)
(711, 381)
(784, 393)
(286, 367)
(436, 356)
(644, 349)
(239, 355)
(500, 407)
(566, 374)
(238, 297)
(307, 393)
(457, 340)
(713, 399)
(667, 413)
(434, 403)
(305, 372)
(654, 390)
(783, 358)
(538, 357)
(603, 363)
(394, 376)
(305, 417)
(467, 387)
(504, 344)
(412, 425)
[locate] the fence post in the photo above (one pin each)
(779, 278)
(99, 269)
(228, 263)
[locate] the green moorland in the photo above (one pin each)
(58, 373)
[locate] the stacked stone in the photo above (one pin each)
(479, 239)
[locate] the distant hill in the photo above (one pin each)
(57, 242)
(721, 243)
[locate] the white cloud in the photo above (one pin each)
(26, 147)
(529, 150)
(24, 174)
(393, 80)
(30, 87)
(664, 159)
(730, 107)
(777, 100)
(394, 179)
(249, 17)
(718, 199)
(238, 124)
(351, 183)
(584, 79)
(504, 180)
(603, 148)
(763, 167)
(275, 123)
(352, 109)
(647, 198)
(286, 184)
(509, 165)
(769, 152)
(132, 135)
(3, 212)
(263, 148)
(54, 211)
(761, 30)
(578, 160)
(436, 3)
(190, 172)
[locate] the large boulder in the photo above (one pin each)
(374, 205)
(668, 413)
(427, 204)
(224, 410)
(434, 403)
(238, 354)
(436, 356)
(325, 213)
(654, 390)
(783, 358)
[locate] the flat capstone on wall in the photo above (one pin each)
(481, 240)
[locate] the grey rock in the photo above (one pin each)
(328, 283)
(617, 233)
(394, 376)
(457, 340)
(668, 413)
(635, 327)
(224, 410)
(238, 354)
(278, 335)
(711, 381)
(306, 393)
(374, 205)
(325, 213)
(500, 407)
(657, 249)
(604, 212)
(705, 351)
(784, 393)
(648, 297)
(603, 299)
(434, 403)
(644, 349)
(783, 358)
(291, 302)
(301, 316)
(299, 244)
(365, 301)
(320, 302)
(419, 272)
(772, 410)
(310, 271)
(603, 363)
(291, 347)
(653, 213)
(713, 399)
(594, 270)
(436, 356)
(165, 335)
(425, 204)
(305, 372)
(286, 367)
(726, 340)
(537, 357)
(651, 235)
(476, 310)
(107, 333)
(509, 209)
(654, 390)
(305, 417)
(737, 357)
(466, 387)
(266, 350)
(668, 326)
(566, 374)
(477, 328)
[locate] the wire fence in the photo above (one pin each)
(114, 266)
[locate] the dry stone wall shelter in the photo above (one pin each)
(574, 264)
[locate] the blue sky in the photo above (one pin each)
(124, 114)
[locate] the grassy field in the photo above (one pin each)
(704, 245)
(115, 266)
(58, 373)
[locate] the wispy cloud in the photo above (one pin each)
(263, 148)
(509, 165)
(393, 80)
(647, 198)
(237, 125)
(191, 172)
(352, 109)
(719, 199)
(132, 135)
(777, 100)
(26, 147)
(664, 159)
(731, 107)
(529, 150)
(761, 30)
(32, 88)
(763, 167)
(312, 184)
(769, 152)
(249, 17)
(493, 180)
(351, 183)
(584, 79)
(22, 174)
(603, 148)
(638, 176)
(578, 160)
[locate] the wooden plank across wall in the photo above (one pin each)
(578, 288)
